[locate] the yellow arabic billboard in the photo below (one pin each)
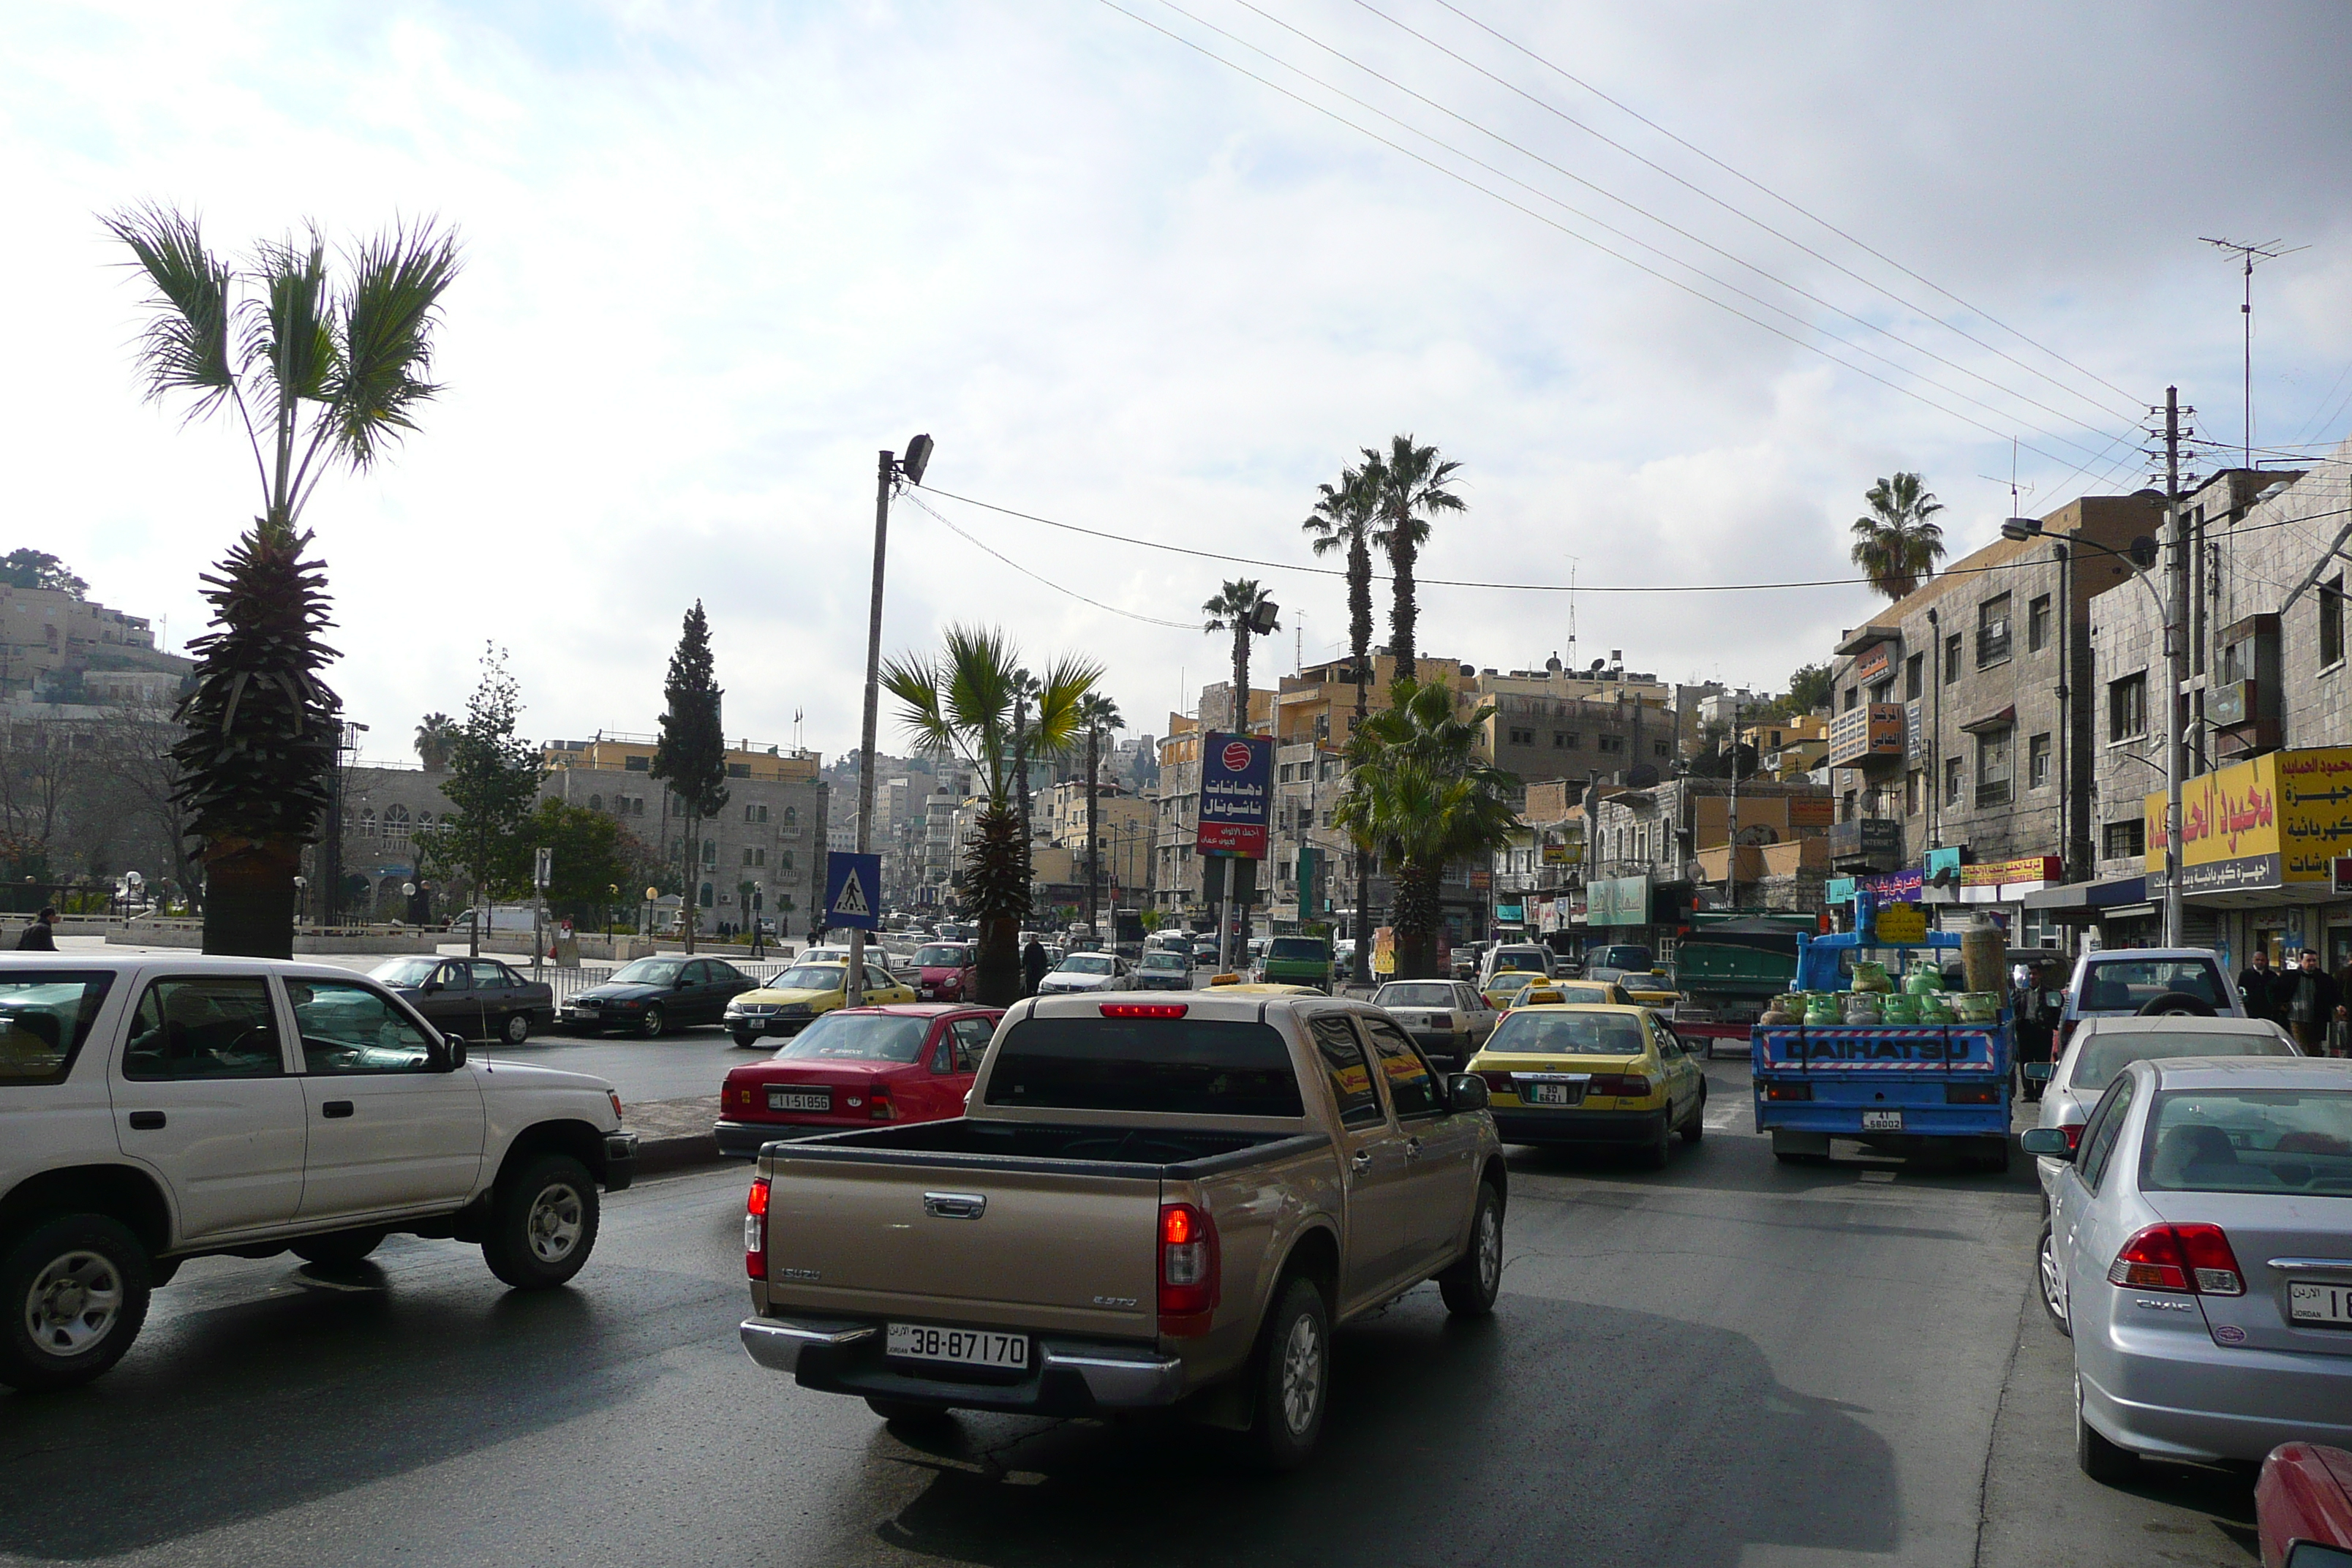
(2278, 819)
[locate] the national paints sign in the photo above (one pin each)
(1236, 793)
(2274, 819)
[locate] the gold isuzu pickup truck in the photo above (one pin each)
(1151, 1201)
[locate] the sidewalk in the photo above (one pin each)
(673, 1134)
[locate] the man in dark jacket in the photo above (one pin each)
(2308, 996)
(41, 936)
(2257, 983)
(1032, 966)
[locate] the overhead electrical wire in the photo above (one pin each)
(1098, 604)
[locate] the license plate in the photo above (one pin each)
(968, 1347)
(2319, 1303)
(1882, 1121)
(1555, 1094)
(799, 1099)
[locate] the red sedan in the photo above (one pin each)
(2302, 1506)
(907, 1061)
(947, 971)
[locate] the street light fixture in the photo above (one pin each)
(2141, 561)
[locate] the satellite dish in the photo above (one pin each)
(1694, 872)
(2143, 552)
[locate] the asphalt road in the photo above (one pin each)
(1725, 1363)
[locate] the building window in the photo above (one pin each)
(2331, 621)
(2128, 707)
(1952, 778)
(1613, 742)
(1568, 740)
(1660, 748)
(637, 764)
(2037, 762)
(791, 816)
(1523, 737)
(1915, 675)
(1994, 759)
(1911, 792)
(2121, 840)
(1884, 691)
(704, 897)
(1951, 659)
(1560, 739)
(595, 802)
(738, 770)
(710, 852)
(2037, 623)
(1993, 630)
(1852, 697)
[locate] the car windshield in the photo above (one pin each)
(859, 1037)
(941, 955)
(2126, 986)
(1086, 964)
(1413, 993)
(2249, 1141)
(649, 972)
(1310, 948)
(809, 977)
(1163, 961)
(1567, 1035)
(2108, 1052)
(402, 971)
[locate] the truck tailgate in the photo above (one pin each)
(1048, 1245)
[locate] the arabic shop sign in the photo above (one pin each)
(1236, 783)
(2275, 819)
(1618, 901)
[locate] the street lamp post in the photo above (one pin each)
(2029, 528)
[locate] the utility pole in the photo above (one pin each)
(2176, 663)
(2250, 254)
(853, 981)
(1731, 848)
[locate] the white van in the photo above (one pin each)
(497, 919)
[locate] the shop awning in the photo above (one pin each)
(2005, 719)
(2072, 896)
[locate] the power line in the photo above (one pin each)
(1098, 604)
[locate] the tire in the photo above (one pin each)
(908, 1412)
(2109, 1464)
(1654, 1154)
(2176, 1004)
(1294, 1377)
(655, 1024)
(517, 1028)
(2052, 1288)
(1471, 1282)
(543, 1223)
(1697, 1127)
(73, 1296)
(745, 1042)
(340, 1247)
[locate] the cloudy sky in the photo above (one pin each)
(719, 254)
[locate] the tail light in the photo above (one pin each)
(2065, 1033)
(1787, 1091)
(1190, 1267)
(755, 1231)
(1144, 1009)
(614, 1096)
(2194, 1258)
(880, 1101)
(2074, 1131)
(1972, 1094)
(1623, 1086)
(1501, 1082)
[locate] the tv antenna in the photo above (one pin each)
(2011, 481)
(2268, 250)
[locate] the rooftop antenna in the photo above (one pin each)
(2013, 486)
(2268, 250)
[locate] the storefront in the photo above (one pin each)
(2260, 845)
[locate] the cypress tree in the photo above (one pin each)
(691, 755)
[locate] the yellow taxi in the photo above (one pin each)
(1562, 1074)
(1577, 993)
(1502, 991)
(793, 1000)
(1655, 989)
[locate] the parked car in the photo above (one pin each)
(2103, 1046)
(168, 1106)
(907, 1061)
(651, 996)
(1150, 1200)
(1448, 1019)
(1161, 970)
(1296, 961)
(1086, 971)
(2179, 982)
(804, 993)
(2199, 1250)
(946, 971)
(473, 998)
(2302, 1506)
(1593, 1075)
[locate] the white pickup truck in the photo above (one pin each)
(155, 1109)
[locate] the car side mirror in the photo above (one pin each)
(1467, 1092)
(2049, 1140)
(430, 986)
(680, 984)
(450, 1057)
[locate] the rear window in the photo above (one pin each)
(2106, 1053)
(1196, 1067)
(2249, 1141)
(1567, 1035)
(1414, 993)
(44, 1016)
(859, 1037)
(2126, 986)
(1305, 949)
(941, 955)
(1520, 958)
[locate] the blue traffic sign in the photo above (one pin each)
(852, 891)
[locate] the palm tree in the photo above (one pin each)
(1419, 796)
(1101, 717)
(1410, 483)
(1243, 609)
(962, 703)
(318, 374)
(435, 734)
(1897, 545)
(1342, 519)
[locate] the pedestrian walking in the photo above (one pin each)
(41, 936)
(2257, 984)
(2310, 998)
(1032, 966)
(2339, 1032)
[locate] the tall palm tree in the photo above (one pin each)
(1897, 545)
(1343, 520)
(1024, 702)
(435, 734)
(320, 372)
(962, 703)
(1419, 796)
(1411, 482)
(1241, 608)
(1101, 717)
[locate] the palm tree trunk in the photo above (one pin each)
(249, 896)
(1417, 913)
(1402, 611)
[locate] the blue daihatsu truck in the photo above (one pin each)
(1901, 1089)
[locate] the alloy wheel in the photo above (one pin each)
(74, 1302)
(1302, 1373)
(2053, 1291)
(1490, 1249)
(557, 1220)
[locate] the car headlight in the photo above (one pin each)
(623, 1002)
(792, 1010)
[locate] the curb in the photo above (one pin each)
(658, 1157)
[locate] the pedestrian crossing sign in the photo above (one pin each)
(853, 884)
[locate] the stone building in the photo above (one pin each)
(1653, 855)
